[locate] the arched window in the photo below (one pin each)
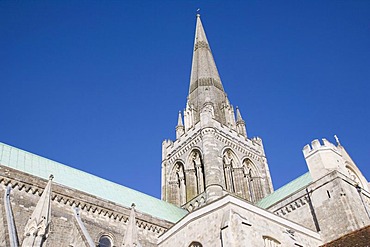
(177, 189)
(229, 164)
(353, 175)
(270, 242)
(105, 241)
(196, 159)
(195, 244)
(253, 181)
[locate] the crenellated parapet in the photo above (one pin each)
(323, 157)
(317, 146)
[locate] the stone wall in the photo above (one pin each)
(230, 221)
(99, 216)
(336, 204)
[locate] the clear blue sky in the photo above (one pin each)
(97, 85)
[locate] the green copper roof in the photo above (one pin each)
(288, 189)
(41, 167)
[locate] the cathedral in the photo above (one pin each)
(216, 188)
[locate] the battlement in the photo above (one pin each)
(166, 143)
(316, 145)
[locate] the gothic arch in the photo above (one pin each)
(177, 184)
(189, 160)
(252, 181)
(351, 173)
(237, 163)
(232, 171)
(195, 173)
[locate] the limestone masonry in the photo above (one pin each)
(216, 188)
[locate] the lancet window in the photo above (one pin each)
(177, 192)
(194, 174)
(229, 163)
(252, 181)
(199, 170)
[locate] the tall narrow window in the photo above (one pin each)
(198, 166)
(228, 168)
(181, 181)
(177, 189)
(253, 181)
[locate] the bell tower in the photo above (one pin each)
(212, 154)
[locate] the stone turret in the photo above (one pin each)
(322, 158)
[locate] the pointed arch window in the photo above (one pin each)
(228, 161)
(181, 182)
(199, 170)
(177, 185)
(353, 175)
(253, 181)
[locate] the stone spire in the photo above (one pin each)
(205, 82)
(37, 226)
(131, 239)
(240, 123)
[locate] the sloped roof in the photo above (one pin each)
(358, 238)
(41, 167)
(288, 189)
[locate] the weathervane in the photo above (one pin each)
(198, 12)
